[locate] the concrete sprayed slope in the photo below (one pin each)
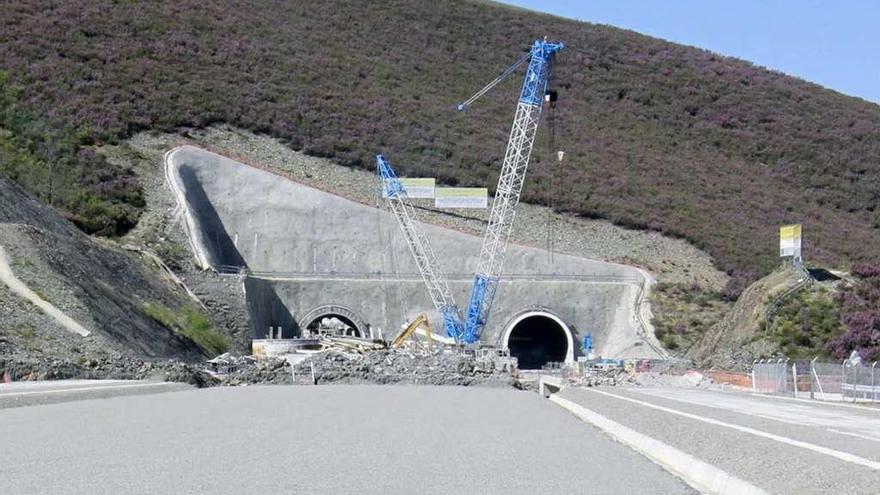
(320, 249)
(339, 439)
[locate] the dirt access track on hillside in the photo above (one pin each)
(19, 288)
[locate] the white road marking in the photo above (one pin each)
(799, 414)
(863, 437)
(700, 475)
(80, 389)
(820, 402)
(844, 456)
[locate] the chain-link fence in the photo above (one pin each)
(845, 380)
(771, 377)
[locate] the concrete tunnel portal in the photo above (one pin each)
(337, 322)
(295, 277)
(336, 317)
(538, 337)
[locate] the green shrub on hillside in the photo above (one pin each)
(683, 313)
(657, 135)
(51, 161)
(805, 322)
(190, 323)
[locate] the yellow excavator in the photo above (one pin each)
(410, 329)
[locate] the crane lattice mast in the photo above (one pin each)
(510, 183)
(398, 203)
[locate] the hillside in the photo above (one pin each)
(658, 135)
(130, 308)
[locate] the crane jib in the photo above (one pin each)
(507, 194)
(535, 83)
(501, 217)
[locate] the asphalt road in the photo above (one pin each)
(781, 446)
(334, 439)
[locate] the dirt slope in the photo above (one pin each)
(122, 300)
(734, 341)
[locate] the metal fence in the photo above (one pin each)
(841, 381)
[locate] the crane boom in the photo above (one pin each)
(438, 290)
(510, 183)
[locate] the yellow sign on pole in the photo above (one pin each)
(790, 241)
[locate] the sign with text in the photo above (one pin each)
(461, 197)
(790, 241)
(415, 188)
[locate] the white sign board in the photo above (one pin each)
(790, 241)
(415, 188)
(461, 197)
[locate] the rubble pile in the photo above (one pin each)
(442, 366)
(246, 370)
(598, 378)
(114, 368)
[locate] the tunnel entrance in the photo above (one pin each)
(536, 338)
(333, 324)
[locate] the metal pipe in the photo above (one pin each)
(812, 372)
(856, 382)
(873, 375)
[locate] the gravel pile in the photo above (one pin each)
(119, 367)
(387, 366)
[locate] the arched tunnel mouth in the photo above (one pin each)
(333, 324)
(536, 340)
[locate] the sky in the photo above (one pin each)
(833, 43)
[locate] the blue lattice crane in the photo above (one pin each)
(507, 195)
(510, 182)
(438, 289)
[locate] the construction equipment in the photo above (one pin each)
(398, 202)
(507, 195)
(421, 320)
(510, 182)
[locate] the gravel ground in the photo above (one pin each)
(345, 439)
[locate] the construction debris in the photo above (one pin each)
(355, 361)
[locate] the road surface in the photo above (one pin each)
(333, 439)
(779, 445)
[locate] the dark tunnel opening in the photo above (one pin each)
(537, 340)
(333, 324)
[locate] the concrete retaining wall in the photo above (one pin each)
(311, 248)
